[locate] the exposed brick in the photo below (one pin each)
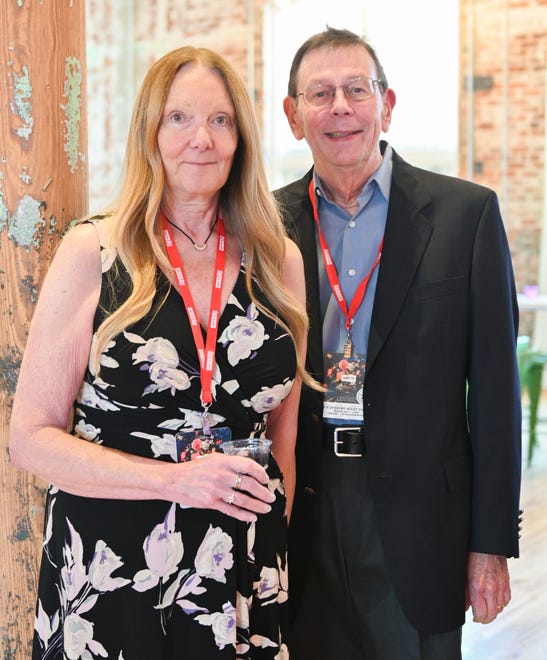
(509, 119)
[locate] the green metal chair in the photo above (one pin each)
(531, 362)
(523, 348)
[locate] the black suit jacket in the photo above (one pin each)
(441, 394)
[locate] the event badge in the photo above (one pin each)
(194, 444)
(344, 378)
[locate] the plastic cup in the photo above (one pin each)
(256, 448)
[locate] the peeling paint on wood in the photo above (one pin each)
(10, 647)
(3, 207)
(10, 363)
(29, 284)
(26, 222)
(72, 92)
(25, 176)
(23, 530)
(53, 225)
(21, 104)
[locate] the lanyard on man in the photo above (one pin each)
(332, 274)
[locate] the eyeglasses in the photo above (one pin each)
(358, 89)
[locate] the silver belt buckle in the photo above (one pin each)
(339, 442)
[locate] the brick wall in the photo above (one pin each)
(502, 139)
(125, 37)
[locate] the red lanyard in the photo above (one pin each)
(206, 351)
(333, 276)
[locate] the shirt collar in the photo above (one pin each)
(382, 177)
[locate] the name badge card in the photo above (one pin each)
(344, 378)
(194, 444)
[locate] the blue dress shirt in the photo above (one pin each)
(353, 241)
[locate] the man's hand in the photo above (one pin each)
(488, 589)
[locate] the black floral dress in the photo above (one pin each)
(152, 580)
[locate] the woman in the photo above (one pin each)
(161, 328)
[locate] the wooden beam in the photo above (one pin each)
(43, 187)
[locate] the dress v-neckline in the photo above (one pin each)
(174, 290)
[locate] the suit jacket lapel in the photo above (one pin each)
(407, 234)
(299, 210)
(406, 237)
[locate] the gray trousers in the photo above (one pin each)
(349, 610)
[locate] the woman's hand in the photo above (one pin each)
(234, 485)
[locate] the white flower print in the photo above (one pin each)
(48, 531)
(183, 585)
(269, 397)
(262, 642)
(87, 431)
(283, 653)
(163, 360)
(276, 485)
(78, 637)
(192, 419)
(73, 573)
(164, 445)
(167, 378)
(230, 386)
(102, 384)
(103, 564)
(243, 336)
(273, 584)
(214, 556)
(251, 535)
(222, 623)
(79, 590)
(217, 379)
(268, 585)
(156, 349)
(243, 606)
(44, 626)
(163, 550)
(88, 396)
(104, 360)
(232, 300)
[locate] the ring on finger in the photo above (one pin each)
(231, 497)
(237, 481)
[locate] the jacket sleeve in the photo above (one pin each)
(494, 403)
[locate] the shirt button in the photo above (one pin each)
(351, 223)
(351, 272)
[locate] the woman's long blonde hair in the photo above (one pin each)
(249, 209)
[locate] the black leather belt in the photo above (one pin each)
(344, 441)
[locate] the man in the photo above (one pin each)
(408, 467)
